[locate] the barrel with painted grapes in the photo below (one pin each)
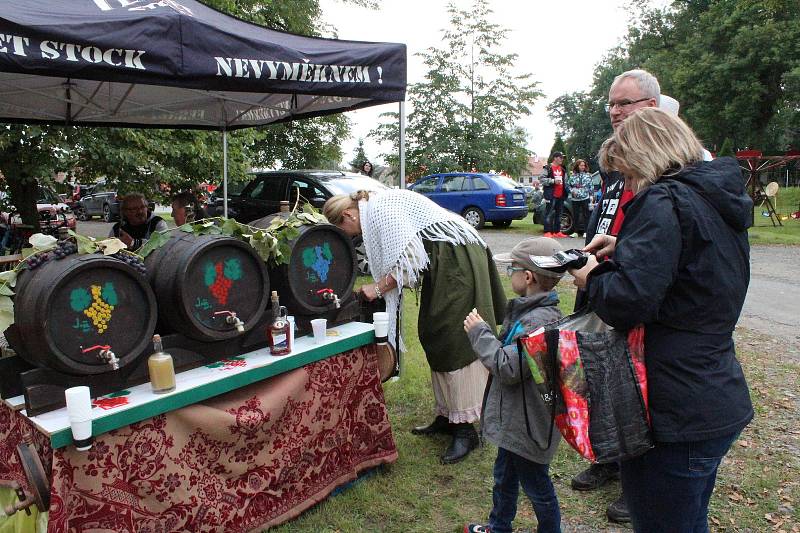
(69, 308)
(200, 281)
(322, 263)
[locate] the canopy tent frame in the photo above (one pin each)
(181, 64)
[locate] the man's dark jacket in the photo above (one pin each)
(681, 266)
(548, 182)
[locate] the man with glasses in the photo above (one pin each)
(137, 222)
(630, 91)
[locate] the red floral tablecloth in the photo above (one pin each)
(249, 459)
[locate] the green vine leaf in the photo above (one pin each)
(9, 278)
(6, 312)
(157, 240)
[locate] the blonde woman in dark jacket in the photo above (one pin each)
(681, 267)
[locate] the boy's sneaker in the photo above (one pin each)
(549, 234)
(476, 528)
(560, 235)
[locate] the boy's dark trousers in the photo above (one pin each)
(511, 471)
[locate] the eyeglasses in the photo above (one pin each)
(511, 269)
(624, 103)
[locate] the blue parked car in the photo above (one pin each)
(477, 197)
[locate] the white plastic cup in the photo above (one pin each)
(79, 412)
(320, 327)
(290, 320)
(380, 316)
(381, 328)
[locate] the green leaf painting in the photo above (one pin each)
(209, 274)
(109, 294)
(79, 299)
(233, 269)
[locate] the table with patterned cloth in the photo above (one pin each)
(251, 458)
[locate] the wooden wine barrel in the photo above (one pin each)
(322, 260)
(67, 306)
(197, 278)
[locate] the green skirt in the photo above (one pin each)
(459, 278)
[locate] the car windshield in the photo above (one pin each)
(346, 185)
(505, 182)
(47, 196)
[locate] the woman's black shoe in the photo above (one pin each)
(618, 512)
(465, 439)
(440, 425)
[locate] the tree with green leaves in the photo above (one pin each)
(464, 113)
(137, 159)
(359, 156)
(727, 148)
(559, 146)
(734, 65)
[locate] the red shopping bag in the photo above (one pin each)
(596, 379)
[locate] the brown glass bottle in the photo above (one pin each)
(278, 333)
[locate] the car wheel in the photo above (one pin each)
(81, 214)
(566, 222)
(362, 266)
(474, 217)
(107, 213)
(501, 223)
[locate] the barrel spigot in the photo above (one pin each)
(232, 320)
(328, 294)
(105, 354)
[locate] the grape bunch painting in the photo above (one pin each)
(219, 278)
(96, 305)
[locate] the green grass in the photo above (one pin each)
(418, 494)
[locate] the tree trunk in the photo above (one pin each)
(24, 193)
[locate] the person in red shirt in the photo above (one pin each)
(554, 187)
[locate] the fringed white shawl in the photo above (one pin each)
(394, 224)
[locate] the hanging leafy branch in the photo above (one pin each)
(270, 243)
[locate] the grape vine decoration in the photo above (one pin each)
(220, 276)
(97, 306)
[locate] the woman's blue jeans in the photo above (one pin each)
(667, 489)
(511, 471)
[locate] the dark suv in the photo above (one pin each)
(101, 201)
(263, 194)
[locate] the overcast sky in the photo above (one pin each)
(559, 42)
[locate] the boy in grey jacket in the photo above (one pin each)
(521, 459)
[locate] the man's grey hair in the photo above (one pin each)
(647, 83)
(133, 197)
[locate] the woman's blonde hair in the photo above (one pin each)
(335, 206)
(648, 145)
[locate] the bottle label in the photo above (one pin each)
(279, 341)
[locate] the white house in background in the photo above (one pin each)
(535, 166)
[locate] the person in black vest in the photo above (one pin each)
(554, 186)
(137, 222)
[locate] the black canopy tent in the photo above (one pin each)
(179, 64)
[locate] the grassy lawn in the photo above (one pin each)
(758, 487)
(763, 232)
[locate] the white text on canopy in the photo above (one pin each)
(283, 70)
(116, 57)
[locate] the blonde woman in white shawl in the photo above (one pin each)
(412, 242)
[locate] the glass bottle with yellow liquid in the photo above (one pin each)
(162, 371)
